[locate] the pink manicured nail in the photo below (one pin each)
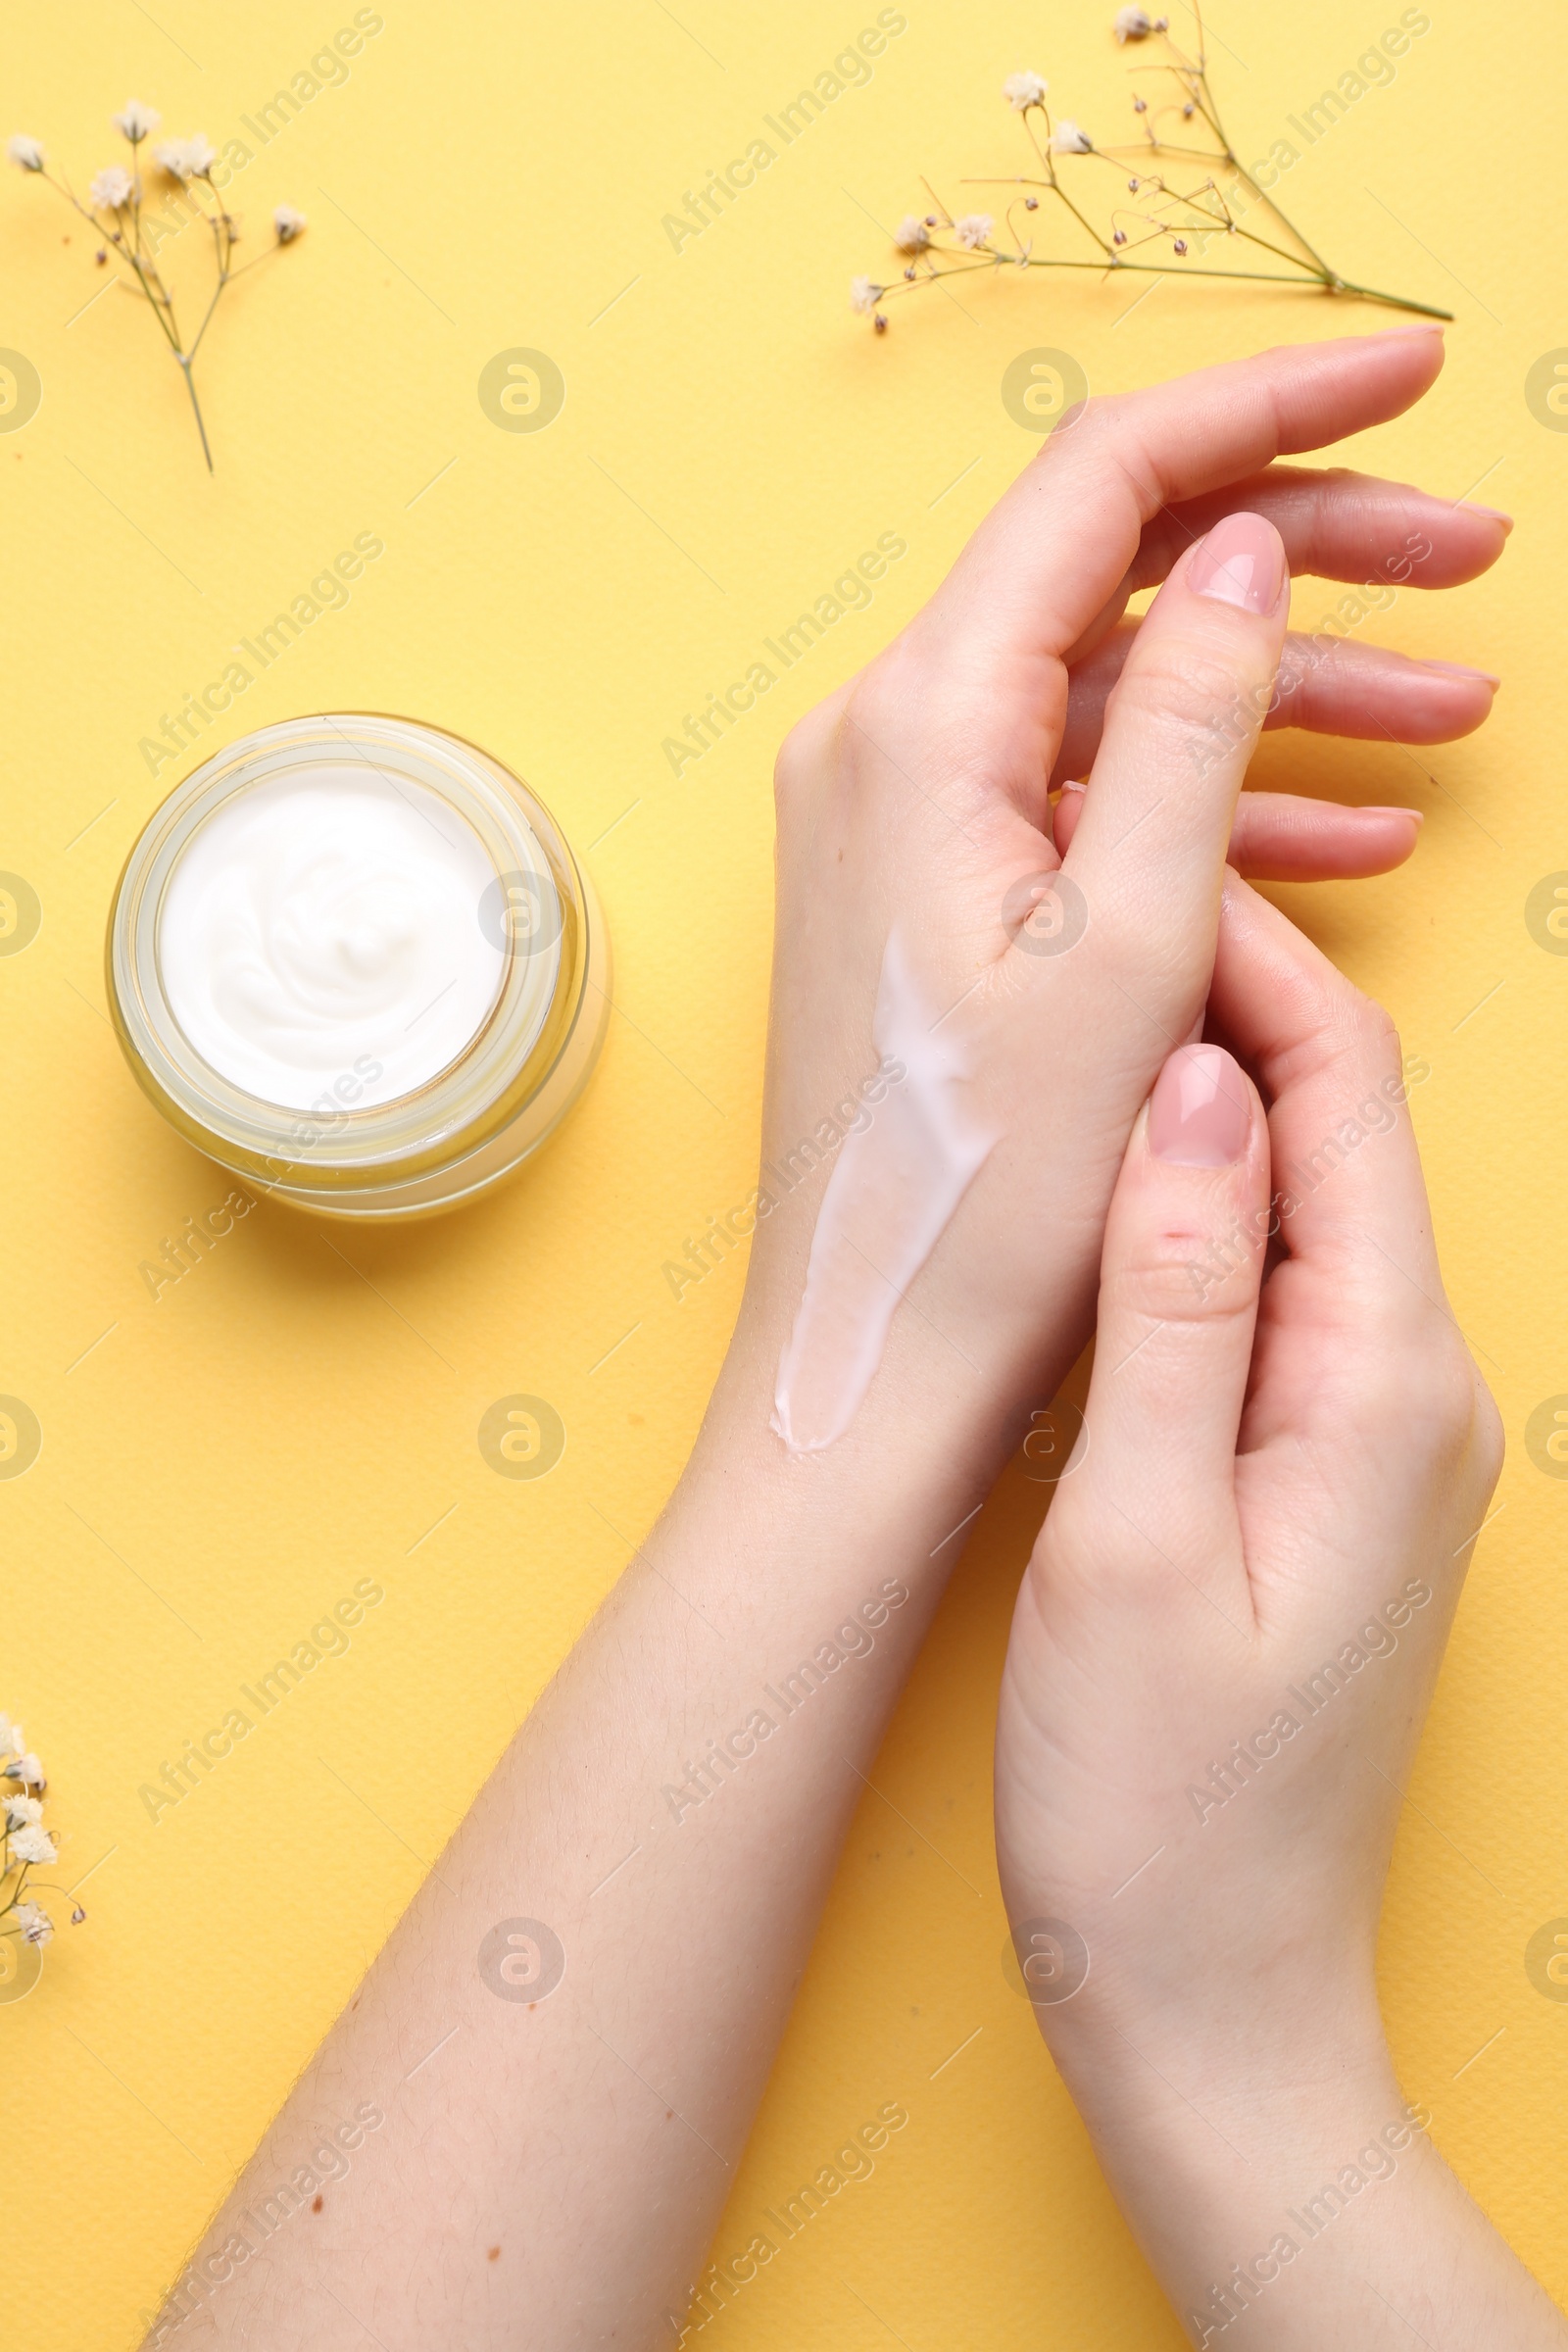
(1241, 563)
(1198, 1114)
(1462, 669)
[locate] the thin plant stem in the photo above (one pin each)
(190, 386)
(1262, 278)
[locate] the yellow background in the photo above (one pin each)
(301, 1408)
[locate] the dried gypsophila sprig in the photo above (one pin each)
(115, 211)
(25, 1844)
(1176, 220)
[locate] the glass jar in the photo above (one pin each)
(543, 963)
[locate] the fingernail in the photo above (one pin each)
(1494, 514)
(1417, 816)
(1462, 669)
(1241, 563)
(1198, 1114)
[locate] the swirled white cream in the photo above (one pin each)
(895, 1185)
(322, 929)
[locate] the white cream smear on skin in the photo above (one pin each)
(895, 1185)
(325, 922)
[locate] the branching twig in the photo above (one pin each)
(114, 210)
(1181, 221)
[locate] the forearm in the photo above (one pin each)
(672, 1814)
(1289, 2199)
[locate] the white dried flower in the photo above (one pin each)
(911, 234)
(20, 1811)
(1068, 139)
(288, 223)
(1024, 89)
(32, 1844)
(138, 121)
(187, 159)
(11, 1739)
(111, 188)
(28, 1770)
(26, 152)
(35, 1922)
(865, 294)
(973, 229)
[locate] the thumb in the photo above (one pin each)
(1179, 1283)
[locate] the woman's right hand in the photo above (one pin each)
(1222, 1659)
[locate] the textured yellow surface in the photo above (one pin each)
(219, 1466)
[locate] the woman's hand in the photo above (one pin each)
(913, 807)
(1222, 1655)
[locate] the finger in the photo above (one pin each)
(1047, 558)
(1180, 727)
(1361, 1371)
(1349, 1194)
(1338, 524)
(1174, 1336)
(1342, 525)
(1275, 837)
(1326, 686)
(1332, 686)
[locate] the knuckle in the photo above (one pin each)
(1182, 1278)
(1349, 1032)
(1489, 1444)
(910, 729)
(887, 692)
(1438, 1401)
(788, 776)
(1187, 696)
(799, 760)
(1373, 1024)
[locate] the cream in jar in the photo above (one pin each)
(355, 960)
(323, 921)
